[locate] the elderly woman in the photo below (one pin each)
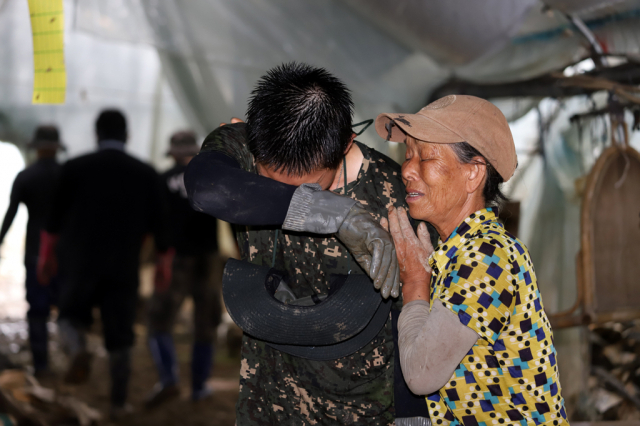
(474, 336)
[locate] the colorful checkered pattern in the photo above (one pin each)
(510, 376)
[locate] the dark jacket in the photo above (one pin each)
(191, 232)
(34, 186)
(105, 205)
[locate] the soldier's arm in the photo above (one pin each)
(47, 266)
(159, 210)
(218, 186)
(62, 199)
(160, 228)
(221, 181)
(14, 202)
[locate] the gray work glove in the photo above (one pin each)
(323, 212)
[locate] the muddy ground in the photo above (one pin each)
(218, 410)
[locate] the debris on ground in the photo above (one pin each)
(28, 403)
(48, 401)
(614, 382)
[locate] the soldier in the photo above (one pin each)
(197, 271)
(106, 203)
(34, 187)
(290, 161)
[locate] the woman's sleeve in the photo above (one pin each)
(432, 344)
(218, 186)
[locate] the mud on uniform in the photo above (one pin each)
(278, 388)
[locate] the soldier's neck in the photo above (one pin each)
(354, 159)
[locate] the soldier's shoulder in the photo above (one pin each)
(228, 135)
(377, 158)
(231, 140)
(79, 161)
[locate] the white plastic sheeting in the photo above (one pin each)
(391, 54)
(12, 273)
(551, 194)
(443, 30)
(214, 51)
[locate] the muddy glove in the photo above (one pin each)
(323, 212)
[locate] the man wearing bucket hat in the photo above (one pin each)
(318, 347)
(34, 187)
(197, 271)
(474, 336)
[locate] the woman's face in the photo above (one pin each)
(436, 182)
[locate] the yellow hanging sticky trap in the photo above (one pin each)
(47, 28)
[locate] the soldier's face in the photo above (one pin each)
(323, 177)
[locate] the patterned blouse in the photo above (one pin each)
(485, 276)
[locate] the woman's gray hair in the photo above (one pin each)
(493, 196)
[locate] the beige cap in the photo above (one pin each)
(457, 118)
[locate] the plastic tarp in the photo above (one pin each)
(391, 54)
(214, 51)
(551, 195)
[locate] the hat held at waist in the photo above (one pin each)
(348, 318)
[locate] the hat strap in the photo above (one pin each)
(366, 124)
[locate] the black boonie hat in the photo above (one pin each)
(350, 317)
(46, 137)
(183, 143)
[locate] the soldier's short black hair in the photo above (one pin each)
(111, 124)
(299, 119)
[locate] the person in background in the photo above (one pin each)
(197, 271)
(105, 205)
(474, 336)
(34, 187)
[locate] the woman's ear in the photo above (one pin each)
(477, 171)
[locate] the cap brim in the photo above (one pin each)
(339, 317)
(416, 125)
(346, 347)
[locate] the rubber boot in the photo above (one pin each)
(73, 337)
(39, 341)
(201, 363)
(74, 344)
(164, 356)
(120, 372)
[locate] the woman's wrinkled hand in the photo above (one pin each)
(413, 253)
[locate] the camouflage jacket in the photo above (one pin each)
(278, 388)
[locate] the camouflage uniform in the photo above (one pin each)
(278, 388)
